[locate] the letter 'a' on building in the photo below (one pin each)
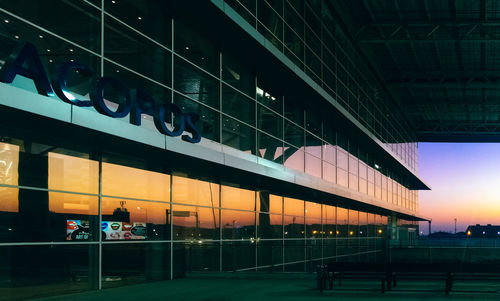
(141, 147)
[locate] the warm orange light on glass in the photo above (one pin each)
(195, 192)
(351, 232)
(9, 163)
(237, 198)
(379, 231)
(294, 207)
(469, 233)
(137, 183)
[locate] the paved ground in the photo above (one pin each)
(293, 287)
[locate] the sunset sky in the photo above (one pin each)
(465, 182)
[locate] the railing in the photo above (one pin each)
(447, 243)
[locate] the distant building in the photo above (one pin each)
(487, 231)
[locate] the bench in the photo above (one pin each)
(390, 273)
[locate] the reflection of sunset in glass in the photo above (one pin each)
(9, 161)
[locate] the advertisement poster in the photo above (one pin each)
(123, 230)
(77, 230)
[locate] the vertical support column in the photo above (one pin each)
(171, 216)
(100, 220)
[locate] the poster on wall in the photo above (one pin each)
(77, 230)
(123, 230)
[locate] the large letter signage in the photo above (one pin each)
(133, 102)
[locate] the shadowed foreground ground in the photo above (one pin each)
(261, 286)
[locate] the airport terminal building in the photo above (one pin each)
(140, 140)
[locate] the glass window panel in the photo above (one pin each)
(238, 224)
(238, 105)
(270, 226)
(200, 256)
(269, 148)
(294, 207)
(313, 210)
(293, 19)
(362, 170)
(271, 20)
(313, 165)
(238, 255)
(294, 43)
(294, 110)
(196, 47)
(313, 63)
(238, 75)
(269, 122)
(329, 153)
(329, 221)
(238, 135)
(9, 169)
(56, 216)
(85, 20)
(270, 100)
(73, 173)
(353, 165)
(125, 264)
(363, 186)
(293, 57)
(195, 223)
(48, 270)
(140, 16)
(194, 192)
(294, 158)
(294, 226)
(342, 177)
(244, 8)
(313, 145)
(342, 221)
(294, 134)
(270, 254)
(363, 224)
(134, 220)
(342, 159)
(353, 223)
(312, 13)
(159, 93)
(329, 172)
(353, 181)
(237, 198)
(52, 52)
(313, 220)
(195, 83)
(209, 118)
(118, 180)
(126, 47)
(298, 5)
(269, 203)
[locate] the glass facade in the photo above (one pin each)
(77, 218)
(117, 224)
(235, 108)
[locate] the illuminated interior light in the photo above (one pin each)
(6, 21)
(16, 36)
